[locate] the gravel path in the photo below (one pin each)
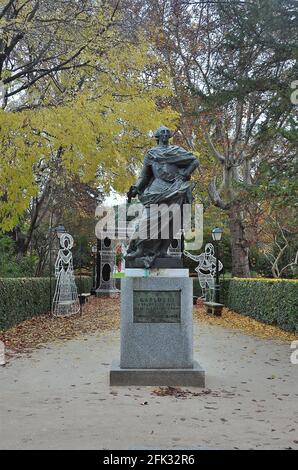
(58, 398)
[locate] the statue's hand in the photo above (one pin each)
(133, 192)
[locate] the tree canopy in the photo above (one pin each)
(83, 81)
(78, 97)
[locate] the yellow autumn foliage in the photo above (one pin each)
(102, 130)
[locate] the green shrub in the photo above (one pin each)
(84, 283)
(10, 264)
(24, 298)
(273, 301)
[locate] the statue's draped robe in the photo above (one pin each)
(163, 180)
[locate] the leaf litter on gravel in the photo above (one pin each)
(235, 321)
(99, 314)
(178, 392)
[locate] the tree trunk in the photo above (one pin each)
(20, 241)
(239, 244)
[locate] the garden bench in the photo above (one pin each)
(84, 297)
(213, 308)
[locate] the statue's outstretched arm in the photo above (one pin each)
(193, 257)
(192, 166)
(189, 163)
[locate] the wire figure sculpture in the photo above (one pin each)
(206, 270)
(65, 300)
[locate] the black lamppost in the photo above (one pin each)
(216, 236)
(94, 253)
(59, 229)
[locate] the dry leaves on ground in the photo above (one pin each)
(101, 314)
(177, 392)
(98, 314)
(236, 321)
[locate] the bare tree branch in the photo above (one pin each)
(215, 196)
(215, 153)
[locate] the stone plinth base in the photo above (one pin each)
(113, 294)
(156, 323)
(156, 330)
(194, 377)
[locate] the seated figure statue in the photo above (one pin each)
(164, 180)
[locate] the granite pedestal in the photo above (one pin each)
(156, 331)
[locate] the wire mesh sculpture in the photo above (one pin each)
(65, 300)
(206, 270)
(2, 354)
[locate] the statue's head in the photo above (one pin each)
(66, 241)
(209, 249)
(163, 135)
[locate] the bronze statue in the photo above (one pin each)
(164, 180)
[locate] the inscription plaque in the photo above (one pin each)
(155, 306)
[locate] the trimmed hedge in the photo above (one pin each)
(24, 298)
(273, 301)
(84, 283)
